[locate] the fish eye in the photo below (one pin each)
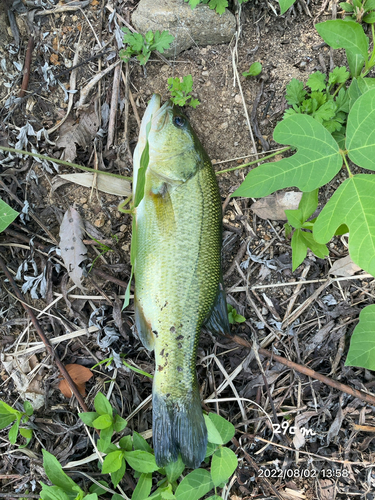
(179, 121)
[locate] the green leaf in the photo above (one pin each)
(13, 432)
(369, 18)
(143, 488)
(325, 112)
(127, 291)
(348, 35)
(213, 433)
(105, 439)
(347, 7)
(7, 215)
(225, 428)
(112, 461)
(117, 475)
(174, 469)
(285, 5)
(162, 41)
(53, 493)
(214, 497)
(295, 93)
(317, 81)
(254, 70)
(356, 62)
(299, 248)
(224, 463)
(126, 443)
(102, 405)
(366, 84)
(338, 75)
(103, 422)
(143, 164)
(195, 485)
(354, 92)
(218, 5)
(360, 131)
(362, 343)
(26, 433)
(119, 423)
(6, 409)
(316, 162)
(211, 448)
(140, 443)
(295, 217)
(352, 204)
(88, 417)
(141, 461)
(318, 249)
(55, 473)
(308, 204)
(5, 420)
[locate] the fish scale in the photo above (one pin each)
(177, 280)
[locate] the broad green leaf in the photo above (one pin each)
(295, 217)
(318, 249)
(355, 61)
(140, 443)
(214, 497)
(88, 417)
(211, 448)
(213, 434)
(105, 439)
(224, 463)
(369, 18)
(366, 84)
(94, 488)
(112, 462)
(91, 496)
(308, 204)
(103, 422)
(316, 162)
(285, 5)
(102, 405)
(162, 41)
(6, 409)
(119, 423)
(362, 343)
(354, 92)
(225, 428)
(360, 131)
(352, 204)
(143, 488)
(29, 410)
(299, 248)
(53, 493)
(55, 473)
(141, 461)
(218, 5)
(316, 81)
(195, 485)
(13, 431)
(295, 92)
(254, 70)
(118, 474)
(126, 443)
(174, 469)
(5, 420)
(26, 433)
(7, 215)
(347, 35)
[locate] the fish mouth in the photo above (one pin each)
(159, 117)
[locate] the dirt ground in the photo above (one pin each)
(302, 316)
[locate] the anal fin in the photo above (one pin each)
(217, 322)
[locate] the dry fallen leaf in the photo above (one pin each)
(105, 183)
(73, 251)
(81, 133)
(80, 375)
(273, 207)
(344, 267)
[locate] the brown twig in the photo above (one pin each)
(45, 340)
(109, 277)
(26, 70)
(368, 398)
(114, 106)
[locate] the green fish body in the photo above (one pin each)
(178, 280)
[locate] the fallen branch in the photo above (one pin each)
(45, 340)
(26, 69)
(368, 398)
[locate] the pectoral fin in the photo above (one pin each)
(143, 327)
(217, 322)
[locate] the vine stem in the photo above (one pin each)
(253, 162)
(63, 162)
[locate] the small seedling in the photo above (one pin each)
(233, 315)
(142, 45)
(9, 415)
(360, 10)
(180, 91)
(254, 70)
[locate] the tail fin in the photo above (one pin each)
(179, 427)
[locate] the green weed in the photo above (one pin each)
(180, 91)
(141, 46)
(9, 415)
(233, 315)
(254, 70)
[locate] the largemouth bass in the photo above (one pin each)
(178, 280)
